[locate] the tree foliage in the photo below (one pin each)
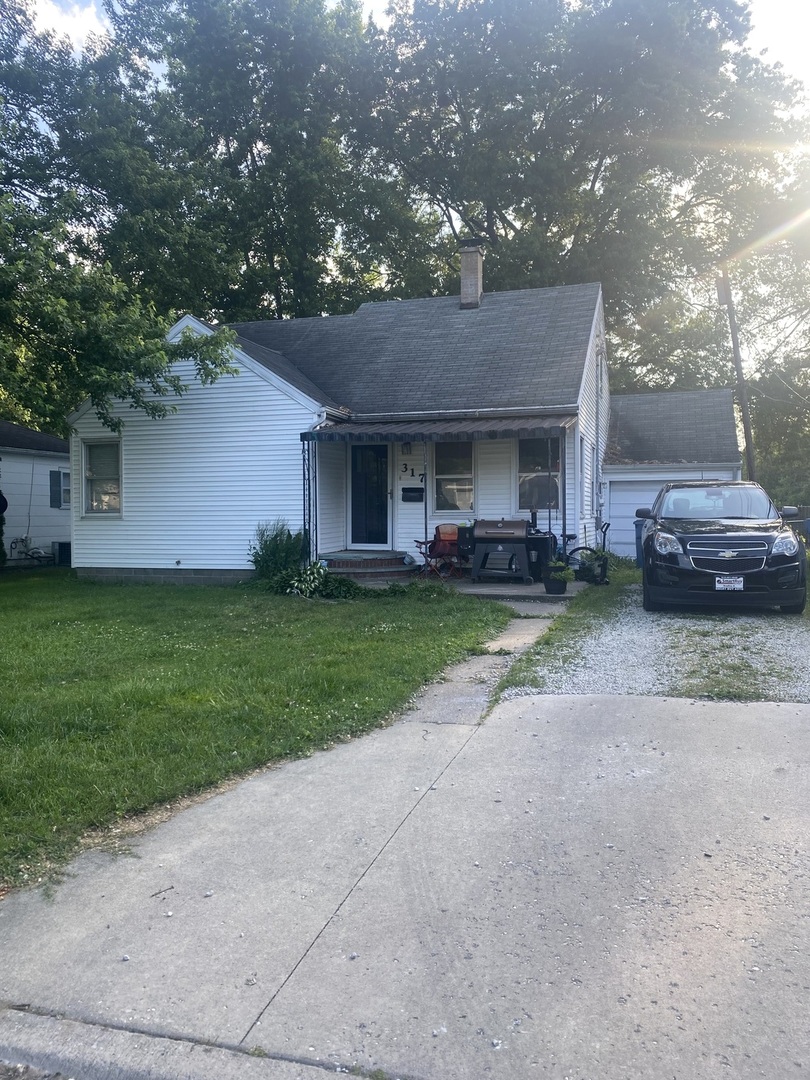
(274, 158)
(71, 328)
(70, 332)
(632, 143)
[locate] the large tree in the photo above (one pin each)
(615, 140)
(208, 138)
(71, 332)
(273, 158)
(71, 328)
(634, 142)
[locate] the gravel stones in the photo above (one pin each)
(683, 653)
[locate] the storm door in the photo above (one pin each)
(369, 499)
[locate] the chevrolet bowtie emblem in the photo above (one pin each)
(727, 554)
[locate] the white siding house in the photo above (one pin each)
(184, 494)
(366, 431)
(35, 481)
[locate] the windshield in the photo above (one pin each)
(745, 503)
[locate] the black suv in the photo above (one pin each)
(716, 542)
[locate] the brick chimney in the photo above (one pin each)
(472, 273)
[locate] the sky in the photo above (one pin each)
(780, 26)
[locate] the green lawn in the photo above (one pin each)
(114, 699)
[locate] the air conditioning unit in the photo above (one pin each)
(60, 549)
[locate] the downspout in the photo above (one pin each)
(564, 485)
(597, 480)
(548, 480)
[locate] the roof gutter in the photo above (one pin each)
(471, 414)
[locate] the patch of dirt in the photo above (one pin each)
(25, 1072)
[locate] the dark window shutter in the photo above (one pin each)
(56, 489)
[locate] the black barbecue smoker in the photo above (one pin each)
(507, 549)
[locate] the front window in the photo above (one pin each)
(454, 476)
(102, 473)
(538, 474)
(65, 486)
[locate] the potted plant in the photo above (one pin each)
(556, 576)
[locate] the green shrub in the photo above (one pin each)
(314, 580)
(309, 580)
(335, 587)
(276, 551)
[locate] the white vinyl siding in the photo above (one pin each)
(495, 487)
(592, 432)
(495, 469)
(196, 483)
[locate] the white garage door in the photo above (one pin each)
(626, 496)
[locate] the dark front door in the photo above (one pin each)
(369, 496)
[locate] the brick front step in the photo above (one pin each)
(369, 567)
(364, 564)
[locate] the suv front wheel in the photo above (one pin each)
(794, 609)
(646, 601)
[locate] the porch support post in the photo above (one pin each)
(309, 463)
(425, 468)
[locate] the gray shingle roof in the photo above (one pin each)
(519, 349)
(673, 426)
(16, 437)
(280, 365)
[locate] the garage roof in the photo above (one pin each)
(671, 427)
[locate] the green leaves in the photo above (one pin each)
(70, 331)
(243, 159)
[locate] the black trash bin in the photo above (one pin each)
(639, 523)
(540, 548)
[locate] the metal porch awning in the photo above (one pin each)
(453, 430)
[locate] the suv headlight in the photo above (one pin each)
(667, 544)
(786, 544)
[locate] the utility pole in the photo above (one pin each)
(726, 301)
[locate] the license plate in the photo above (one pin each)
(724, 584)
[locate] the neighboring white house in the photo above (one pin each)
(657, 437)
(366, 430)
(35, 481)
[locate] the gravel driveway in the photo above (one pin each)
(731, 656)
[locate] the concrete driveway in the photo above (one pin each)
(584, 886)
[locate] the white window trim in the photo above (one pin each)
(102, 514)
(453, 515)
(557, 475)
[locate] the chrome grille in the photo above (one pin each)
(728, 566)
(727, 556)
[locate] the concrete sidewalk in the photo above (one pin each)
(584, 887)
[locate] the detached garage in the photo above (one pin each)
(689, 435)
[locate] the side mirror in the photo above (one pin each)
(789, 511)
(644, 512)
